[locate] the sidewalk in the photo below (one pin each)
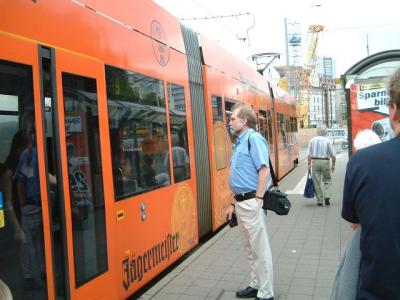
(306, 248)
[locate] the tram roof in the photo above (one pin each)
(218, 58)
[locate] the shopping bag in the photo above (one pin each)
(309, 188)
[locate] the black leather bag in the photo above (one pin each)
(277, 202)
(274, 199)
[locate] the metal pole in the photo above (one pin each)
(330, 100)
(286, 43)
(326, 106)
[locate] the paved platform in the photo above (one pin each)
(306, 248)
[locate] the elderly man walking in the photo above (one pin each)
(320, 152)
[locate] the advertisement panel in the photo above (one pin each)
(368, 108)
(78, 165)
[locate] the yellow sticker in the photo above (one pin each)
(2, 223)
(120, 215)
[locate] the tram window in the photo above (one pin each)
(281, 130)
(288, 131)
(269, 122)
(216, 103)
(138, 132)
(8, 123)
(228, 112)
(179, 136)
(228, 109)
(264, 125)
(85, 176)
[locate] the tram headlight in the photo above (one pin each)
(382, 129)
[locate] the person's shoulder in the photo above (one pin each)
(375, 150)
(256, 134)
(324, 138)
(373, 153)
(317, 137)
(257, 137)
(24, 154)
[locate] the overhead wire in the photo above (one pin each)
(361, 26)
(210, 13)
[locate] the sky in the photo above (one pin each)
(348, 24)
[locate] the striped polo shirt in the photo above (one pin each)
(321, 147)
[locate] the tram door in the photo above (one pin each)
(81, 118)
(26, 259)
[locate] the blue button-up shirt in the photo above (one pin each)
(244, 165)
(28, 173)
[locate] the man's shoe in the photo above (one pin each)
(248, 292)
(327, 201)
(270, 298)
(319, 204)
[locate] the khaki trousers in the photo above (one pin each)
(321, 169)
(253, 225)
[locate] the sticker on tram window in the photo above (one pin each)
(78, 160)
(2, 223)
(73, 124)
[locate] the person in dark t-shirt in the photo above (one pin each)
(371, 198)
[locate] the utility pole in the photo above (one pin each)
(367, 46)
(286, 44)
(327, 85)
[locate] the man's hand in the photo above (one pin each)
(354, 226)
(229, 211)
(333, 163)
(20, 236)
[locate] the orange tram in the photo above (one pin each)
(114, 144)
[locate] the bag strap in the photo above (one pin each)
(271, 168)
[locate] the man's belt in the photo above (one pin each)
(321, 158)
(244, 196)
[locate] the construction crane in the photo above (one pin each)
(313, 32)
(309, 77)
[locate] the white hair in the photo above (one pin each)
(321, 130)
(366, 138)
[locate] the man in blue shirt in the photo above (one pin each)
(249, 179)
(371, 198)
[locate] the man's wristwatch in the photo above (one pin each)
(259, 197)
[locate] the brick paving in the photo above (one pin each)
(306, 248)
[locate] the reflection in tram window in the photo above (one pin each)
(138, 132)
(21, 231)
(85, 177)
(179, 137)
